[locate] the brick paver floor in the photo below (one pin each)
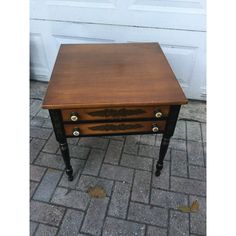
(137, 202)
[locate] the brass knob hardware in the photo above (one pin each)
(76, 132)
(158, 114)
(155, 129)
(74, 116)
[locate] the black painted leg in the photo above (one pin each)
(61, 138)
(168, 133)
(163, 149)
(66, 157)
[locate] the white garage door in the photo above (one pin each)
(178, 25)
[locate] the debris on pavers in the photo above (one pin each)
(193, 208)
(96, 192)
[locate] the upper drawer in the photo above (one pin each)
(75, 115)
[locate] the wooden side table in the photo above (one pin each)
(112, 89)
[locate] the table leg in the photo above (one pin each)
(61, 138)
(163, 149)
(66, 157)
(168, 133)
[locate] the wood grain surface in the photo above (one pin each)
(107, 75)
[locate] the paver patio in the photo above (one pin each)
(137, 202)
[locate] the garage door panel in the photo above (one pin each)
(185, 14)
(39, 66)
(182, 60)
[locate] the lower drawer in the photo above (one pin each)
(114, 128)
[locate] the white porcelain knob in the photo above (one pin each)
(155, 129)
(76, 132)
(74, 116)
(158, 114)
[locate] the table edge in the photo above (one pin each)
(73, 106)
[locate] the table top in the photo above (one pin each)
(105, 75)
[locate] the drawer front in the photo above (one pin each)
(77, 130)
(75, 115)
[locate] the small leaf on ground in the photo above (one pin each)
(96, 192)
(184, 209)
(193, 208)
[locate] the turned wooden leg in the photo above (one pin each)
(168, 133)
(66, 157)
(61, 138)
(163, 149)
